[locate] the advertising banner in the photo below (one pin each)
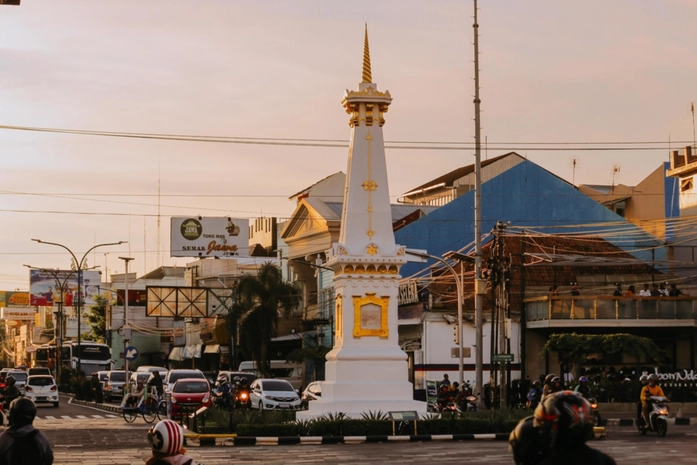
(71, 326)
(220, 237)
(45, 286)
(18, 314)
(14, 299)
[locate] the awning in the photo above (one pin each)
(193, 350)
(211, 349)
(177, 354)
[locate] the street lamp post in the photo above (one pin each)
(126, 329)
(61, 287)
(79, 264)
(460, 296)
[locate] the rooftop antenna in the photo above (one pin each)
(574, 163)
(159, 177)
(692, 107)
(615, 171)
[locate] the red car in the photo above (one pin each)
(191, 393)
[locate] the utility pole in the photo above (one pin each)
(126, 329)
(479, 283)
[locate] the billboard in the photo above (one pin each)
(220, 237)
(14, 299)
(18, 314)
(44, 287)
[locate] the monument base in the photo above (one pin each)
(354, 409)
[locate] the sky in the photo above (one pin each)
(555, 75)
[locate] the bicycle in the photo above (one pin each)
(150, 409)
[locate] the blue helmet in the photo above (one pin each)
(583, 380)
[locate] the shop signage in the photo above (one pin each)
(683, 375)
(19, 314)
(220, 237)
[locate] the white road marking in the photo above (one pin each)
(66, 417)
(97, 416)
(81, 417)
(49, 417)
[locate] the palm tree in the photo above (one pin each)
(261, 300)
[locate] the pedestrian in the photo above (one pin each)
(557, 434)
(166, 440)
(21, 443)
(645, 292)
(618, 290)
(630, 291)
(662, 289)
(655, 292)
(674, 291)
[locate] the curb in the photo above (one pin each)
(105, 407)
(320, 440)
(630, 421)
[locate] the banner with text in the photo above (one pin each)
(220, 237)
(14, 299)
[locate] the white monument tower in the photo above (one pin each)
(366, 370)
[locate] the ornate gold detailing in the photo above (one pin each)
(371, 269)
(348, 269)
(369, 185)
(339, 316)
(370, 232)
(341, 250)
(393, 269)
(382, 269)
(372, 249)
(400, 252)
(367, 75)
(360, 269)
(370, 316)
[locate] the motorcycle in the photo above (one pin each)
(596, 415)
(222, 400)
(242, 399)
(471, 403)
(658, 417)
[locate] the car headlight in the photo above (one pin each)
(174, 400)
(268, 397)
(206, 399)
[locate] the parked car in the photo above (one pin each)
(20, 379)
(42, 389)
(39, 371)
(113, 386)
(193, 393)
(270, 394)
(174, 375)
(313, 391)
(102, 376)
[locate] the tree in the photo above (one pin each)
(259, 302)
(572, 347)
(97, 319)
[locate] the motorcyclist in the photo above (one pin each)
(547, 388)
(535, 394)
(557, 433)
(166, 440)
(643, 381)
(155, 381)
(556, 385)
(225, 391)
(583, 388)
(11, 392)
(648, 391)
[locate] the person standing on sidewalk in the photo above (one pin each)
(166, 439)
(21, 443)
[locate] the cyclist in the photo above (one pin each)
(131, 399)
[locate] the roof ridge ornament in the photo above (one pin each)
(367, 76)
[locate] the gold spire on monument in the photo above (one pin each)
(367, 75)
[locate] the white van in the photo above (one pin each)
(280, 369)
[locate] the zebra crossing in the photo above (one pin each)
(77, 417)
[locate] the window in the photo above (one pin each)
(40, 381)
(686, 185)
(277, 386)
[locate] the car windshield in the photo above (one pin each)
(118, 376)
(191, 386)
(175, 375)
(40, 381)
(19, 376)
(277, 386)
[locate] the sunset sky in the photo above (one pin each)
(552, 73)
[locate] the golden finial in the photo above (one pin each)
(367, 75)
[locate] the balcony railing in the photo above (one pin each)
(610, 308)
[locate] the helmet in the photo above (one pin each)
(10, 380)
(243, 381)
(583, 379)
(565, 418)
(22, 412)
(525, 442)
(166, 437)
(549, 378)
(556, 380)
(537, 383)
(644, 379)
(653, 377)
(236, 378)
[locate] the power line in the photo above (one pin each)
(339, 143)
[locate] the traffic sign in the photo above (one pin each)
(131, 353)
(503, 358)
